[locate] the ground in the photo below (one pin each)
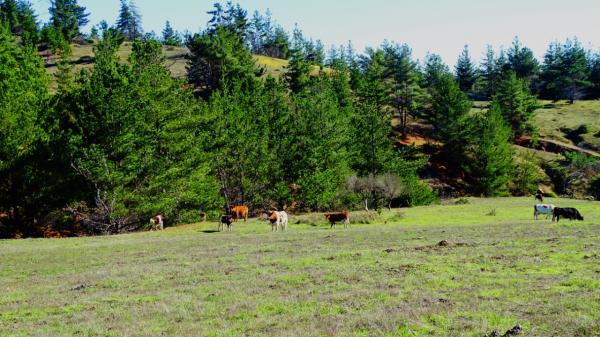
(385, 276)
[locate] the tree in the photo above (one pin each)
(594, 71)
(67, 17)
(129, 20)
(522, 62)
(565, 71)
(401, 70)
(23, 107)
(433, 70)
(489, 73)
(490, 165)
(21, 20)
(516, 104)
(169, 36)
(466, 73)
(218, 58)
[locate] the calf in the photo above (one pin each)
(567, 213)
(156, 223)
(225, 220)
(240, 211)
(539, 195)
(542, 209)
(278, 220)
(337, 217)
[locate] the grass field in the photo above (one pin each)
(388, 277)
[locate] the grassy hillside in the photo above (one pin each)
(385, 278)
(571, 123)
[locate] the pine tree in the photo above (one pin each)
(466, 73)
(433, 70)
(406, 94)
(67, 17)
(169, 36)
(129, 20)
(565, 71)
(516, 104)
(522, 61)
(21, 20)
(489, 72)
(491, 155)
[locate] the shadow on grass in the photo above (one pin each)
(210, 231)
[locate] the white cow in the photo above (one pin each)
(542, 209)
(278, 219)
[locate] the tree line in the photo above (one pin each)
(120, 142)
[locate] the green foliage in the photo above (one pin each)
(218, 58)
(525, 177)
(578, 160)
(516, 104)
(170, 37)
(23, 107)
(21, 20)
(466, 73)
(522, 62)
(565, 73)
(129, 21)
(491, 155)
(66, 17)
(595, 186)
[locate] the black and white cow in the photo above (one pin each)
(542, 209)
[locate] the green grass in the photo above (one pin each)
(386, 277)
(556, 119)
(82, 58)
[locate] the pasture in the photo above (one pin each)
(386, 276)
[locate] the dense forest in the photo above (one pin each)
(123, 141)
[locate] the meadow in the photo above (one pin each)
(390, 274)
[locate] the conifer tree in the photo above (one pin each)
(522, 61)
(516, 104)
(67, 17)
(169, 36)
(466, 73)
(490, 165)
(129, 20)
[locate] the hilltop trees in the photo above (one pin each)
(466, 73)
(170, 37)
(565, 71)
(66, 17)
(129, 22)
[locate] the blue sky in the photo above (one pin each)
(439, 26)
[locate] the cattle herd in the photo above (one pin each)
(556, 212)
(279, 219)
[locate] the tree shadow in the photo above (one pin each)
(210, 231)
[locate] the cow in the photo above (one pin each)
(542, 209)
(567, 213)
(239, 211)
(278, 219)
(225, 220)
(156, 222)
(336, 217)
(539, 195)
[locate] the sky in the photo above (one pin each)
(437, 26)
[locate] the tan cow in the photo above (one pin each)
(239, 211)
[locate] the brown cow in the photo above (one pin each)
(336, 217)
(239, 211)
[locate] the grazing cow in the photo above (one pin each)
(156, 222)
(240, 211)
(542, 209)
(278, 219)
(567, 213)
(225, 220)
(336, 217)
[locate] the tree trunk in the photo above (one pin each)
(366, 205)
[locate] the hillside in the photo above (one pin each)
(83, 57)
(391, 276)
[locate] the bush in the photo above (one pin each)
(526, 176)
(418, 193)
